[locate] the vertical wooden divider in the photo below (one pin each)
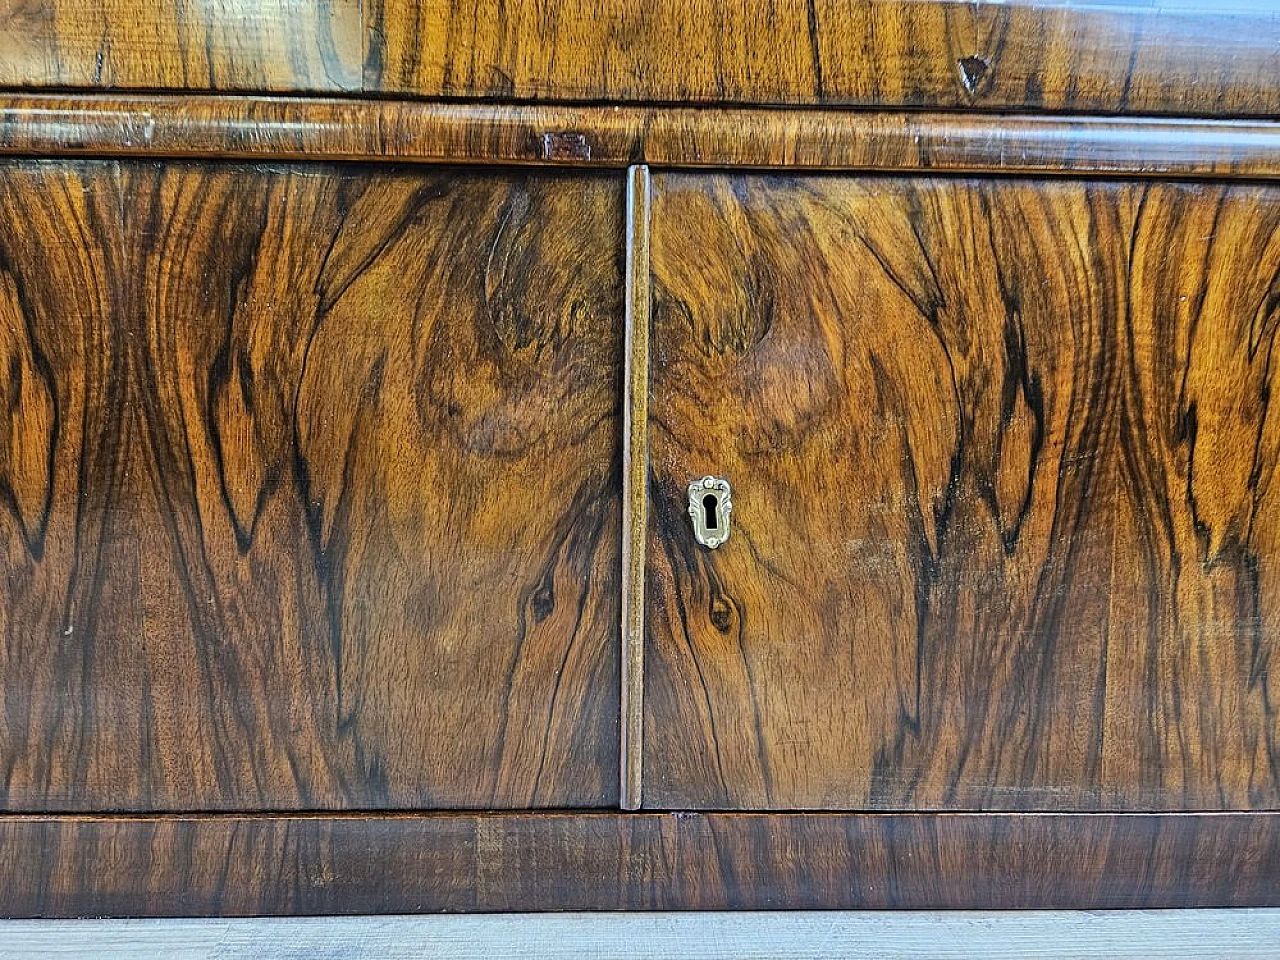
(635, 479)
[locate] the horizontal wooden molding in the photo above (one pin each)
(268, 865)
(616, 137)
(1211, 58)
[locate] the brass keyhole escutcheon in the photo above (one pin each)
(710, 503)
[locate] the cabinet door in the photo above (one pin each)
(308, 487)
(1006, 510)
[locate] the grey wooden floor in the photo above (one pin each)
(1218, 934)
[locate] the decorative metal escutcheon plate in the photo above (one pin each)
(710, 503)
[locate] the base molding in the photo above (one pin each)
(224, 865)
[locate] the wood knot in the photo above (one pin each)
(721, 615)
(543, 602)
(972, 71)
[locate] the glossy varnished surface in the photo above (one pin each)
(1042, 54)
(175, 44)
(501, 862)
(312, 476)
(635, 483)
(1039, 54)
(1194, 59)
(308, 488)
(219, 126)
(1005, 523)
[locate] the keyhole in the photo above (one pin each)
(709, 509)
(710, 504)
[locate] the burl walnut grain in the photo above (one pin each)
(308, 488)
(1005, 518)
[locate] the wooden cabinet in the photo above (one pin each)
(1003, 528)
(356, 360)
(309, 484)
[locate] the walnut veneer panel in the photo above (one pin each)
(313, 45)
(1135, 57)
(308, 488)
(1005, 528)
(599, 135)
(266, 865)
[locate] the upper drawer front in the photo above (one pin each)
(1115, 56)
(307, 488)
(1005, 528)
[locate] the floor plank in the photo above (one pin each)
(779, 936)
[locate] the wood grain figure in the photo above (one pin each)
(263, 45)
(310, 488)
(311, 128)
(355, 360)
(1130, 58)
(266, 865)
(1004, 519)
(1141, 57)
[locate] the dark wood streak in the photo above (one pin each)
(1003, 532)
(602, 136)
(267, 865)
(309, 481)
(67, 394)
(1198, 491)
